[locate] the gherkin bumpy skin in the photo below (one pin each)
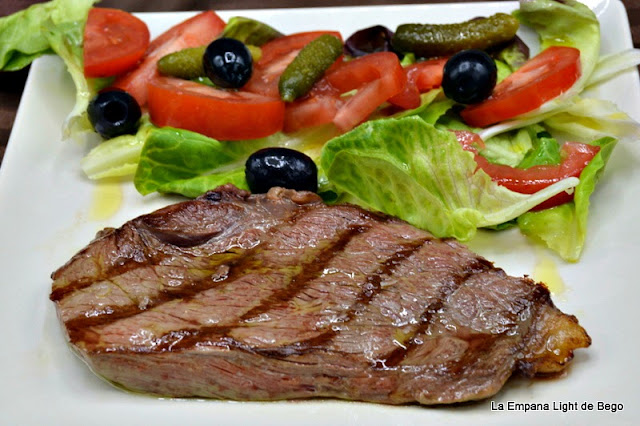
(309, 66)
(185, 63)
(250, 31)
(431, 40)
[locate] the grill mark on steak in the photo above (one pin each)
(465, 325)
(138, 290)
(467, 335)
(223, 336)
(66, 287)
(368, 290)
(394, 314)
(230, 261)
(403, 350)
(306, 274)
(253, 262)
(231, 219)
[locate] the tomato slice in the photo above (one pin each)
(544, 77)
(114, 42)
(575, 157)
(196, 31)
(421, 77)
(276, 56)
(310, 111)
(377, 77)
(281, 46)
(265, 78)
(220, 114)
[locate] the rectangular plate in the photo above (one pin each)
(46, 216)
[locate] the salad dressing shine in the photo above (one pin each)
(106, 200)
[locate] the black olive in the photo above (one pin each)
(227, 62)
(369, 40)
(282, 167)
(114, 113)
(469, 76)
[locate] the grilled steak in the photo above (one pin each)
(279, 296)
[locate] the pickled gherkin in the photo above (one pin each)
(309, 66)
(431, 40)
(187, 63)
(250, 31)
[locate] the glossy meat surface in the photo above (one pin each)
(279, 296)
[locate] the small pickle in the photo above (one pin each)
(431, 40)
(309, 66)
(250, 31)
(187, 63)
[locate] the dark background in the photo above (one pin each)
(11, 84)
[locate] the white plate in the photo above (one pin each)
(45, 217)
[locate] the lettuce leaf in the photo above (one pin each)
(545, 151)
(188, 163)
(170, 155)
(66, 40)
(589, 119)
(23, 36)
(433, 105)
(409, 169)
(566, 23)
(510, 148)
(612, 64)
(57, 27)
(564, 228)
(117, 157)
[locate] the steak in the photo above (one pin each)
(279, 296)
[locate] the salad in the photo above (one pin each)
(382, 128)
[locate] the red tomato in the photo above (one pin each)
(421, 77)
(196, 31)
(470, 141)
(544, 77)
(220, 114)
(114, 42)
(265, 78)
(310, 111)
(575, 157)
(281, 46)
(377, 77)
(276, 56)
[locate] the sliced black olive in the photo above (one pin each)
(469, 76)
(284, 167)
(114, 113)
(369, 40)
(228, 63)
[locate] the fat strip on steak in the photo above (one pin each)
(279, 296)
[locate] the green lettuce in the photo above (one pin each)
(566, 23)
(433, 105)
(188, 163)
(544, 151)
(564, 228)
(117, 157)
(24, 35)
(249, 31)
(510, 148)
(409, 169)
(57, 27)
(612, 64)
(587, 119)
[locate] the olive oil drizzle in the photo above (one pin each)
(106, 200)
